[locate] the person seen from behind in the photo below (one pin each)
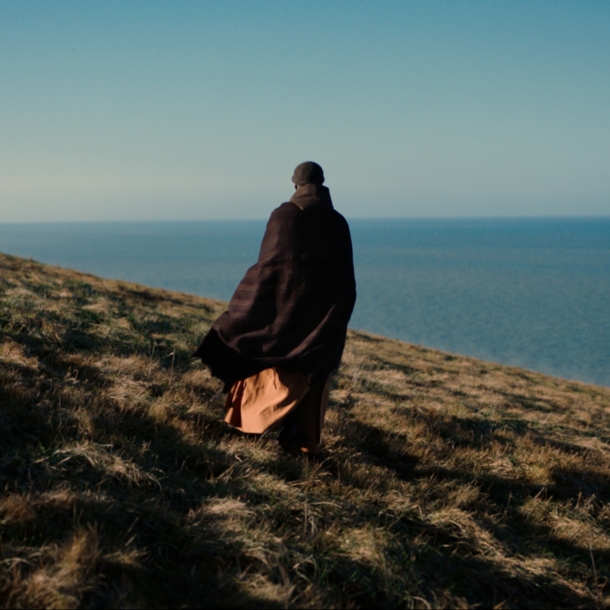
(285, 328)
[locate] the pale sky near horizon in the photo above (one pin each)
(151, 110)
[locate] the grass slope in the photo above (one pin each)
(445, 481)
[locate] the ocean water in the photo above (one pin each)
(529, 292)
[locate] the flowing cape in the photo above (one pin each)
(292, 307)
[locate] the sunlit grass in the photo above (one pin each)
(444, 481)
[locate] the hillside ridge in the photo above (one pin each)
(444, 480)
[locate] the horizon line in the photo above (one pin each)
(351, 218)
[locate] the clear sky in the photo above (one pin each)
(147, 109)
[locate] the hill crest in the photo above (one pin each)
(445, 480)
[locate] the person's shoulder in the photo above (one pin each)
(285, 210)
(286, 213)
(339, 216)
(288, 208)
(340, 220)
(290, 213)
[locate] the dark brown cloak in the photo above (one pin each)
(292, 307)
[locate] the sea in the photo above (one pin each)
(530, 292)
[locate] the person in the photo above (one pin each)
(285, 328)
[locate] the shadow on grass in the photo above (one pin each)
(448, 560)
(72, 481)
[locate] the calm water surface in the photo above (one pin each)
(529, 292)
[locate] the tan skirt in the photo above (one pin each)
(262, 401)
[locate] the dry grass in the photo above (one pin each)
(445, 481)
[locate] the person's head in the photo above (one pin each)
(307, 173)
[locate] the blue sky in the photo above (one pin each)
(139, 110)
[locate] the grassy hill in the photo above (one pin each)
(445, 481)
